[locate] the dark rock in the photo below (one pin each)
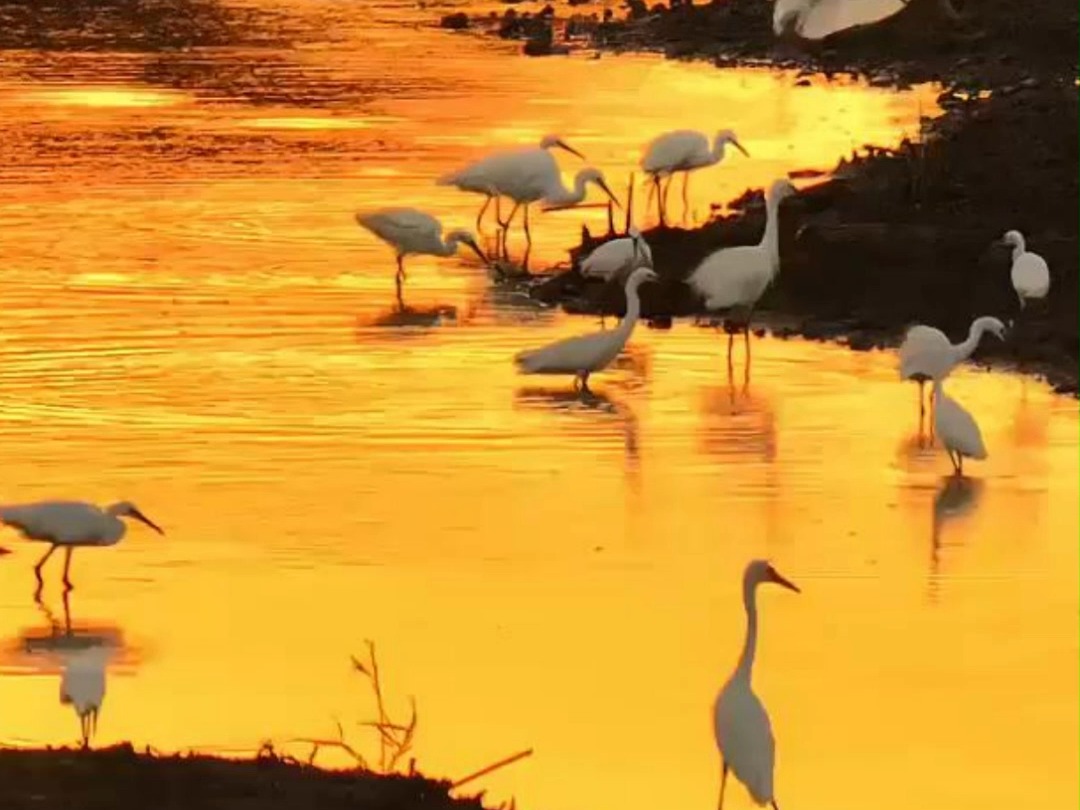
(455, 22)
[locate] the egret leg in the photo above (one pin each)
(730, 347)
(40, 563)
(67, 568)
(667, 188)
(686, 195)
(528, 234)
(659, 198)
(483, 210)
(723, 784)
(775, 806)
(399, 278)
(506, 230)
(960, 464)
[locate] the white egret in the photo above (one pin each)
(739, 276)
(71, 524)
(817, 19)
(617, 256)
(585, 354)
(1030, 273)
(743, 732)
(412, 232)
(82, 686)
(683, 150)
(481, 176)
(957, 429)
(926, 353)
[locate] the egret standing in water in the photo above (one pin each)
(682, 151)
(739, 276)
(1030, 273)
(71, 524)
(926, 353)
(586, 354)
(482, 176)
(82, 686)
(743, 732)
(412, 232)
(957, 430)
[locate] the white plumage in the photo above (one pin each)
(82, 686)
(617, 256)
(70, 524)
(739, 276)
(956, 429)
(412, 232)
(586, 354)
(683, 150)
(1030, 273)
(482, 176)
(741, 724)
(817, 19)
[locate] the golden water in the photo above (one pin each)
(192, 321)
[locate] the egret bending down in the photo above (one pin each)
(482, 176)
(743, 732)
(957, 430)
(412, 232)
(926, 353)
(739, 276)
(586, 354)
(682, 151)
(1030, 273)
(70, 524)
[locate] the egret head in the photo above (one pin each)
(554, 141)
(128, 509)
(466, 238)
(642, 252)
(761, 571)
(728, 136)
(992, 325)
(1013, 239)
(640, 276)
(596, 176)
(780, 190)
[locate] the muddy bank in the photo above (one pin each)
(118, 778)
(905, 236)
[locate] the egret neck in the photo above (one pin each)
(962, 351)
(633, 310)
(771, 240)
(746, 660)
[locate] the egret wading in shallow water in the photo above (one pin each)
(71, 524)
(616, 257)
(1030, 273)
(481, 176)
(586, 354)
(957, 429)
(682, 151)
(739, 276)
(926, 353)
(411, 232)
(743, 732)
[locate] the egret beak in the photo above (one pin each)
(652, 275)
(779, 580)
(740, 147)
(135, 513)
(476, 249)
(600, 182)
(564, 145)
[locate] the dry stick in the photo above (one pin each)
(502, 763)
(629, 204)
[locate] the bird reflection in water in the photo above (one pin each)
(737, 421)
(404, 316)
(80, 655)
(956, 499)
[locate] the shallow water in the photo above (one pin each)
(193, 322)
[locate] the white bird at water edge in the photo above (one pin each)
(82, 686)
(585, 354)
(743, 732)
(682, 150)
(482, 176)
(412, 232)
(618, 255)
(739, 276)
(926, 353)
(70, 525)
(957, 429)
(1030, 274)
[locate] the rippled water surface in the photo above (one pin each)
(192, 321)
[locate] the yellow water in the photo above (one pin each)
(192, 322)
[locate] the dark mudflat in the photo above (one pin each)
(118, 779)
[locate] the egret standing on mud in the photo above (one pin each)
(926, 353)
(684, 151)
(1030, 273)
(739, 276)
(71, 524)
(617, 256)
(586, 354)
(480, 176)
(412, 232)
(743, 732)
(957, 429)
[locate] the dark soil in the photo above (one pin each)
(118, 779)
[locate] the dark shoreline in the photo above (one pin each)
(118, 778)
(901, 236)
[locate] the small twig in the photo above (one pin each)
(629, 204)
(502, 763)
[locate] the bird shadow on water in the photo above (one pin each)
(403, 316)
(79, 653)
(956, 499)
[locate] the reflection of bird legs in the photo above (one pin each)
(581, 383)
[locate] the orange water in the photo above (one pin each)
(192, 322)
